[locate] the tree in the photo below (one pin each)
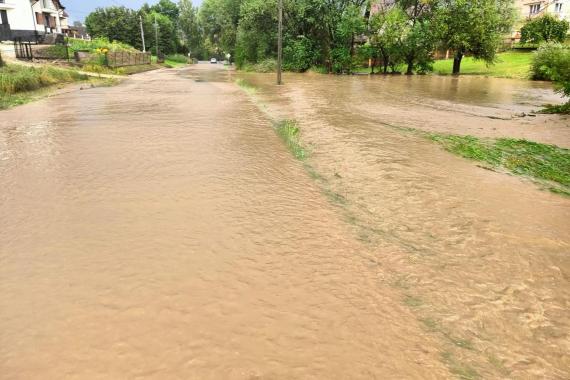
(350, 24)
(166, 8)
(544, 29)
(257, 32)
(473, 27)
(420, 38)
(388, 32)
(116, 24)
(219, 20)
(189, 26)
(167, 36)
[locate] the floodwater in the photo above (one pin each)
(160, 229)
(482, 258)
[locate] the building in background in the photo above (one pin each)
(32, 20)
(529, 9)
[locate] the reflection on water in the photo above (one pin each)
(159, 229)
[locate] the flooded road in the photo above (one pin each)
(160, 229)
(481, 258)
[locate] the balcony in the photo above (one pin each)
(46, 6)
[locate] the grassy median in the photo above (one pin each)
(535, 160)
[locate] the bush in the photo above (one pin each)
(178, 58)
(546, 28)
(299, 54)
(266, 66)
(97, 44)
(552, 62)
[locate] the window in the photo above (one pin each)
(534, 8)
(39, 18)
(558, 8)
(3, 17)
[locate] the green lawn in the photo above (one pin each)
(509, 65)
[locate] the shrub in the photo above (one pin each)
(544, 29)
(299, 54)
(178, 58)
(98, 45)
(266, 66)
(552, 62)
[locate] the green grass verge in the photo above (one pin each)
(15, 79)
(13, 100)
(511, 64)
(522, 157)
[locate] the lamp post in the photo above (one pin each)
(142, 34)
(280, 44)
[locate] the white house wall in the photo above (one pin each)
(19, 17)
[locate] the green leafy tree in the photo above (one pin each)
(167, 36)
(350, 24)
(388, 32)
(219, 20)
(474, 27)
(420, 37)
(116, 24)
(190, 28)
(164, 7)
(544, 29)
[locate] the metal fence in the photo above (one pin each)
(125, 58)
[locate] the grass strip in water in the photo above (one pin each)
(563, 109)
(246, 86)
(521, 157)
(288, 131)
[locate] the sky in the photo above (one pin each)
(79, 9)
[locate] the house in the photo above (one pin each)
(32, 20)
(529, 9)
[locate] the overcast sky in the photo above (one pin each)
(78, 9)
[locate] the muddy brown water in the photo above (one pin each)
(160, 229)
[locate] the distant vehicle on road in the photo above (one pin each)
(213, 60)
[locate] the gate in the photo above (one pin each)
(23, 49)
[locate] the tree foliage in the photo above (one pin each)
(474, 27)
(333, 34)
(544, 29)
(116, 24)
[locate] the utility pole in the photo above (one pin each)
(280, 44)
(142, 34)
(156, 35)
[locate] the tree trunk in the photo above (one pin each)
(457, 63)
(410, 70)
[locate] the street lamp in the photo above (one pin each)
(280, 44)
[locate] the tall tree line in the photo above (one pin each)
(334, 34)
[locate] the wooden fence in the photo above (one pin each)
(125, 58)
